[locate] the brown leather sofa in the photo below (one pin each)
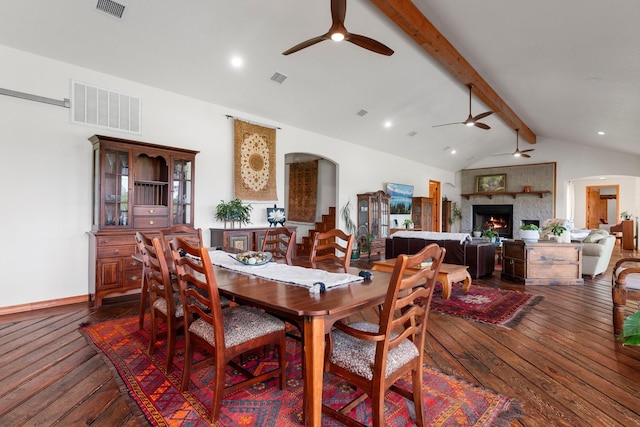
(479, 256)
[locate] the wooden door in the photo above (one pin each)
(597, 204)
(434, 194)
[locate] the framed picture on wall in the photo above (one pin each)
(491, 183)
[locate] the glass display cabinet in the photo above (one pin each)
(137, 186)
(374, 215)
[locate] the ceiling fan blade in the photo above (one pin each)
(527, 150)
(447, 124)
(305, 44)
(338, 10)
(482, 126)
(369, 43)
(524, 155)
(482, 115)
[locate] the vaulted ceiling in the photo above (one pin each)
(565, 69)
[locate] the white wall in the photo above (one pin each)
(47, 170)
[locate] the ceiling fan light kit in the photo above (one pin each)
(338, 32)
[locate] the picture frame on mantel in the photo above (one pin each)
(495, 183)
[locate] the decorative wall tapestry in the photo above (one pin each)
(303, 191)
(254, 161)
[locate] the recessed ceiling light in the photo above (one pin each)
(603, 177)
(453, 151)
(387, 124)
(600, 133)
(236, 61)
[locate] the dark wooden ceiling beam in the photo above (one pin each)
(413, 22)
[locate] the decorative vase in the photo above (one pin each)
(477, 233)
(527, 189)
(530, 236)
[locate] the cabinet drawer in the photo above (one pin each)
(151, 222)
(554, 255)
(116, 251)
(150, 211)
(132, 278)
(119, 240)
(513, 267)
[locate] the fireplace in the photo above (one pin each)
(497, 217)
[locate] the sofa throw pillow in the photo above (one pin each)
(595, 236)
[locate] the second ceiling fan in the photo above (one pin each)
(338, 32)
(518, 152)
(472, 120)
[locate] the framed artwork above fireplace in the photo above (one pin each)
(491, 183)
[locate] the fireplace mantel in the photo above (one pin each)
(502, 193)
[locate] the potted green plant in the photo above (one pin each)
(365, 239)
(490, 233)
(456, 213)
(408, 223)
(351, 228)
(477, 231)
(625, 215)
(631, 330)
(232, 212)
(529, 232)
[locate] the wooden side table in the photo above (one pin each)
(448, 274)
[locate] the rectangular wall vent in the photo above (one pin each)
(362, 113)
(95, 106)
(111, 8)
(278, 78)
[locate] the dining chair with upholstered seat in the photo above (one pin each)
(625, 284)
(332, 245)
(373, 356)
(164, 302)
(191, 234)
(142, 241)
(281, 242)
(224, 333)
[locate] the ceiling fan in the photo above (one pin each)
(338, 32)
(518, 152)
(472, 120)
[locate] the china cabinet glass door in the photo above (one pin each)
(182, 190)
(116, 194)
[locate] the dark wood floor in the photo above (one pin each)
(561, 362)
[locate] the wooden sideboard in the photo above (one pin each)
(542, 263)
(245, 239)
(626, 228)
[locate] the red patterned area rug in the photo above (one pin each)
(447, 400)
(500, 307)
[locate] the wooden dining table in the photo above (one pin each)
(315, 313)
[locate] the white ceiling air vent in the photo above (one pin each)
(95, 106)
(412, 133)
(362, 113)
(111, 8)
(278, 78)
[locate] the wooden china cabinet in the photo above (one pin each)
(374, 216)
(421, 213)
(137, 186)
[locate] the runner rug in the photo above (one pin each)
(500, 307)
(447, 400)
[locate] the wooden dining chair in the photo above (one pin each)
(372, 356)
(191, 234)
(143, 242)
(332, 245)
(164, 303)
(625, 284)
(281, 242)
(224, 333)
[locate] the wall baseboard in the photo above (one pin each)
(43, 304)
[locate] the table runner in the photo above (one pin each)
(290, 274)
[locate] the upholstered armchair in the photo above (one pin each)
(597, 248)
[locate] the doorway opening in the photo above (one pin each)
(602, 205)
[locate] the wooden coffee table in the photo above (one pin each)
(448, 274)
